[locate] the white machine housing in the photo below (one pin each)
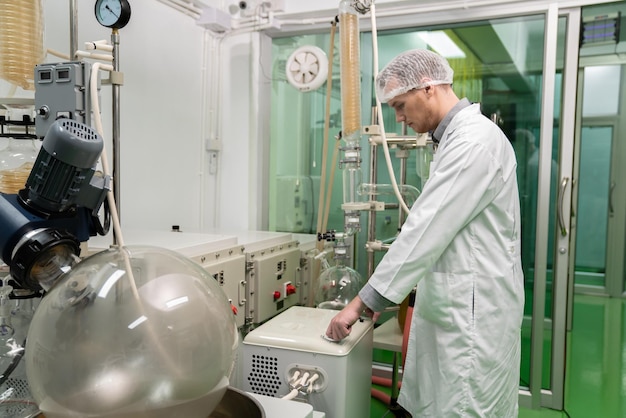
(307, 245)
(228, 268)
(292, 343)
(272, 273)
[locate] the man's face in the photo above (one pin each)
(415, 108)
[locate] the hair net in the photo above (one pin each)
(410, 70)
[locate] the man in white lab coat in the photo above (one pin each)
(460, 246)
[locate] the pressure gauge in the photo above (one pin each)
(112, 13)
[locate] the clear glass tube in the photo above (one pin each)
(423, 158)
(352, 179)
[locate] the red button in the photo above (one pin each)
(290, 289)
(276, 295)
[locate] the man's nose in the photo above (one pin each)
(399, 117)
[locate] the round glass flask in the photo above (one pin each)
(132, 332)
(337, 286)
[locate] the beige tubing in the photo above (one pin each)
(329, 83)
(322, 220)
(21, 41)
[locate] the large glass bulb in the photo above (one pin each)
(337, 286)
(132, 332)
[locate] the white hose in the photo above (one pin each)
(311, 381)
(99, 45)
(58, 54)
(379, 112)
(103, 57)
(295, 376)
(305, 377)
(93, 84)
(291, 395)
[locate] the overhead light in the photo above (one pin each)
(441, 43)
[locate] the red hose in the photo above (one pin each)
(381, 396)
(406, 331)
(383, 381)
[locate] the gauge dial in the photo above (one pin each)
(112, 13)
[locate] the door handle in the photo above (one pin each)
(560, 206)
(611, 198)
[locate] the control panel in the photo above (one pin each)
(273, 278)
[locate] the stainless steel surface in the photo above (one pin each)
(237, 403)
(234, 404)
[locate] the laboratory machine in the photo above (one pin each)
(289, 357)
(184, 323)
(144, 296)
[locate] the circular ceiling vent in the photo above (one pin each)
(307, 68)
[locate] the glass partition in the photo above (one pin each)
(594, 187)
(599, 260)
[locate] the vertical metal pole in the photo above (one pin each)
(73, 29)
(403, 167)
(115, 137)
(371, 223)
(394, 378)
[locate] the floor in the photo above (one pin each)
(595, 367)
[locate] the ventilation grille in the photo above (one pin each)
(263, 377)
(79, 130)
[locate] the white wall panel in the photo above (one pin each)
(160, 139)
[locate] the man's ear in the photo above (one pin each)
(426, 81)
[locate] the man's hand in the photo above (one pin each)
(341, 325)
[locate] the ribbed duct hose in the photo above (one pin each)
(350, 70)
(21, 41)
(350, 76)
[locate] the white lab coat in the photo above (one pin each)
(461, 246)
